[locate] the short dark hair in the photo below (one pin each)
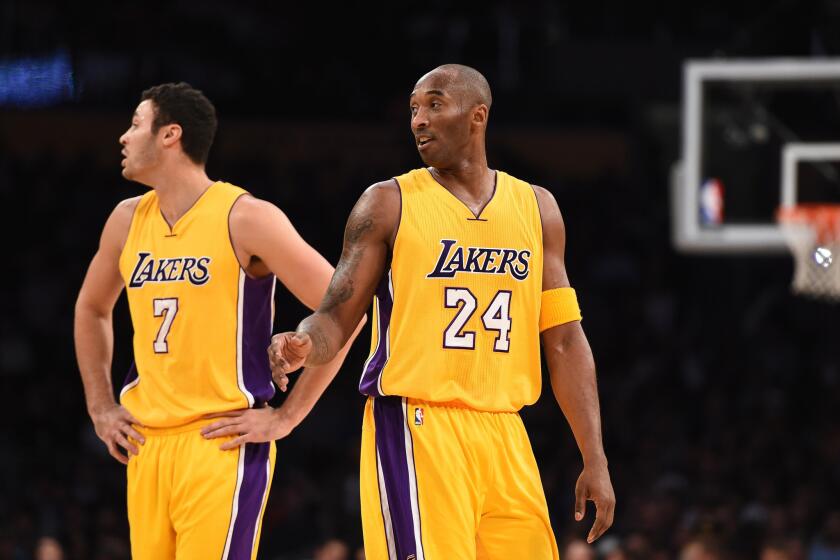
(184, 105)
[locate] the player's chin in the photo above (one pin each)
(428, 157)
(132, 175)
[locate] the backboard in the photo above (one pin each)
(757, 135)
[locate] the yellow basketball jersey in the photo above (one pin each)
(456, 318)
(201, 325)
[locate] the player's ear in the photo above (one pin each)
(480, 114)
(171, 134)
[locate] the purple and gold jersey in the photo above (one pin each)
(456, 318)
(201, 325)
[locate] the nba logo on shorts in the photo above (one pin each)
(418, 416)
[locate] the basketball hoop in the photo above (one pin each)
(812, 232)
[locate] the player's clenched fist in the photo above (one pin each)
(287, 353)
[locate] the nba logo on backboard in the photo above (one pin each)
(711, 202)
(418, 416)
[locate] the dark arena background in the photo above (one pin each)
(720, 389)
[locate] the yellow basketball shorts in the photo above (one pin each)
(447, 483)
(188, 499)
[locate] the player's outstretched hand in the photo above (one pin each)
(287, 353)
(114, 427)
(594, 484)
(253, 425)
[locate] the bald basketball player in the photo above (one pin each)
(199, 259)
(465, 267)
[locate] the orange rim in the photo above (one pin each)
(823, 218)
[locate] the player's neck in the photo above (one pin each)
(179, 189)
(471, 175)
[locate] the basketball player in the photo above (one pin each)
(467, 268)
(199, 260)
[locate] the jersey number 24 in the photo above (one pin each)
(495, 318)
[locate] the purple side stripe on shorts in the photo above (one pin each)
(390, 426)
(254, 479)
(369, 384)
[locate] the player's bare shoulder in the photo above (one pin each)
(255, 224)
(250, 216)
(376, 213)
(247, 207)
(383, 196)
(387, 186)
(552, 219)
(553, 232)
(546, 202)
(124, 210)
(118, 225)
(128, 205)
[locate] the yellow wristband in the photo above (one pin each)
(558, 306)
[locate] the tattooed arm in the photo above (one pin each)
(266, 241)
(368, 241)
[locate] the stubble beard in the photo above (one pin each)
(144, 160)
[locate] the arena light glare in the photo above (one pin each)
(36, 81)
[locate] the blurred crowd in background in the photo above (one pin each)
(719, 389)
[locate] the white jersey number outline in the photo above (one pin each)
(495, 318)
(168, 308)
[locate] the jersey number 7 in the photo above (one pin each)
(168, 308)
(495, 318)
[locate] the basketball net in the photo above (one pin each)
(812, 232)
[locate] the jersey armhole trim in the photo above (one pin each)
(539, 211)
(230, 234)
(399, 216)
(130, 230)
(542, 230)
